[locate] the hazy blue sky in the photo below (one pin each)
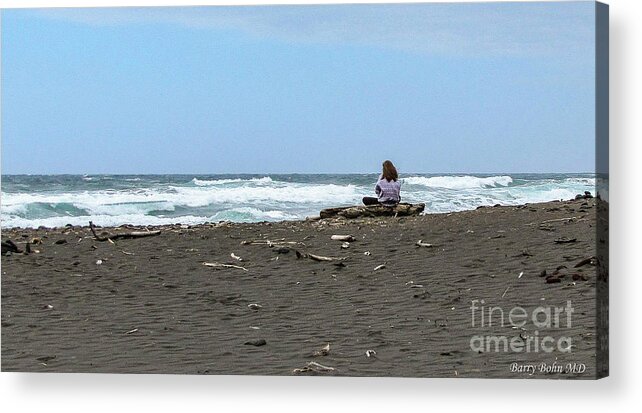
(484, 87)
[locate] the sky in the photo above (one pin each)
(436, 88)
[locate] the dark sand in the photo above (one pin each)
(153, 307)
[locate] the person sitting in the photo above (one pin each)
(387, 188)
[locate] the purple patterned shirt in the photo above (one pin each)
(388, 191)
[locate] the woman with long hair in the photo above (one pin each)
(387, 188)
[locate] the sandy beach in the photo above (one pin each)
(150, 305)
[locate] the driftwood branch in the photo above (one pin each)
(125, 235)
(271, 243)
(548, 221)
(314, 367)
(590, 260)
(220, 265)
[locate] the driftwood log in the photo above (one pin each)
(315, 257)
(124, 235)
(402, 209)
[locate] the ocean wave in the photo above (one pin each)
(287, 193)
(95, 202)
(581, 181)
(439, 202)
(459, 182)
(242, 214)
(205, 182)
(102, 220)
(158, 202)
(250, 214)
(188, 196)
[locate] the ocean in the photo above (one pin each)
(30, 201)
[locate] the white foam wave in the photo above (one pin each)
(467, 200)
(108, 202)
(205, 182)
(243, 214)
(253, 214)
(102, 220)
(261, 199)
(295, 193)
(581, 181)
(459, 182)
(134, 202)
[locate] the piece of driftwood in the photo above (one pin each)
(124, 235)
(315, 367)
(565, 240)
(315, 257)
(590, 260)
(271, 243)
(346, 238)
(402, 209)
(558, 220)
(220, 265)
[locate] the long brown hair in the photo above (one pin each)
(389, 171)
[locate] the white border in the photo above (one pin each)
(112, 393)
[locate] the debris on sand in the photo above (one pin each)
(126, 235)
(590, 260)
(323, 351)
(578, 277)
(587, 195)
(220, 265)
(271, 243)
(346, 238)
(564, 240)
(9, 246)
(314, 367)
(318, 257)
